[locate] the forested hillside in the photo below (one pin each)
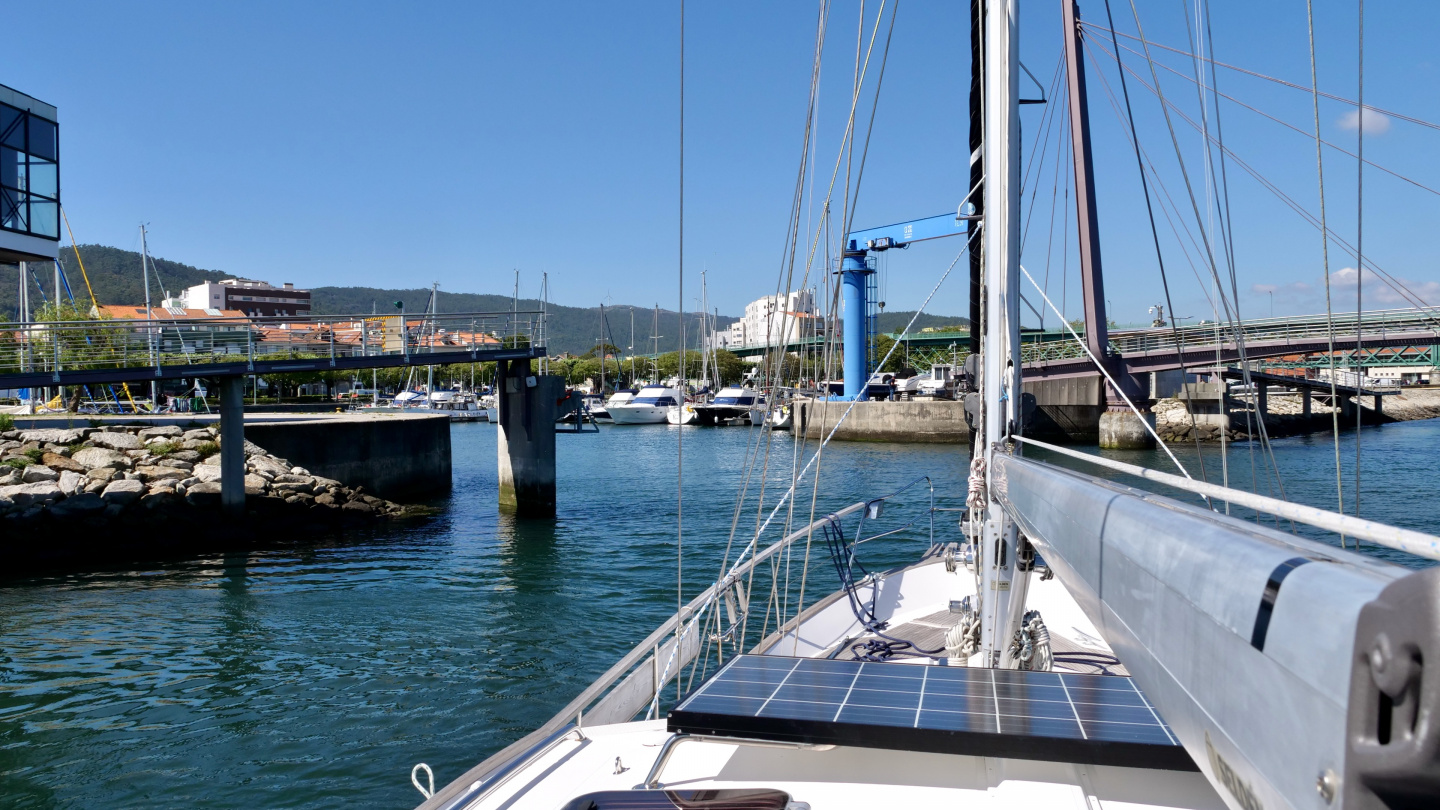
(115, 279)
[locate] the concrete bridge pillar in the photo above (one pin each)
(1305, 402)
(1123, 430)
(1262, 399)
(232, 446)
(528, 406)
(1120, 427)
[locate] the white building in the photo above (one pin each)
(793, 314)
(254, 298)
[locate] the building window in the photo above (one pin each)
(29, 173)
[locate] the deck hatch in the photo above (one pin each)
(1067, 717)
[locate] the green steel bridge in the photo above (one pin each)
(1386, 337)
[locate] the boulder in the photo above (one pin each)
(267, 464)
(93, 457)
(96, 487)
(253, 449)
(56, 461)
(204, 494)
(6, 504)
(8, 476)
(36, 473)
(293, 479)
(290, 487)
(178, 464)
(102, 474)
(207, 472)
(164, 431)
(358, 506)
(299, 471)
(327, 483)
(123, 491)
(71, 482)
(194, 444)
(197, 435)
(26, 496)
(212, 460)
(162, 473)
(185, 455)
(86, 503)
(51, 436)
(117, 441)
(162, 499)
(325, 500)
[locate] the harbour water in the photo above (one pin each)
(316, 676)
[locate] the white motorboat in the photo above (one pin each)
(733, 403)
(620, 397)
(460, 406)
(683, 414)
(648, 407)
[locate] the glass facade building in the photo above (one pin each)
(29, 173)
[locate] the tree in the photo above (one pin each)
(606, 348)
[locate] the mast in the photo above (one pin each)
(430, 310)
(655, 339)
(977, 167)
(602, 350)
(1002, 595)
(149, 316)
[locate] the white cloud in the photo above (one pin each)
(1376, 122)
(1379, 291)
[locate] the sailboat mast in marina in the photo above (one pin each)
(1069, 642)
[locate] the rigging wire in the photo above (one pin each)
(1342, 150)
(1229, 232)
(1159, 256)
(679, 433)
(1325, 254)
(1211, 186)
(1391, 281)
(1166, 107)
(1331, 96)
(1359, 245)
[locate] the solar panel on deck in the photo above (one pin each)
(1067, 717)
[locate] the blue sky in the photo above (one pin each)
(399, 144)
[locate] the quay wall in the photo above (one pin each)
(1066, 410)
(397, 456)
(921, 420)
(406, 457)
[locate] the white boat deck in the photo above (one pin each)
(841, 777)
(916, 599)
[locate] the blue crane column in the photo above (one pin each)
(857, 310)
(853, 270)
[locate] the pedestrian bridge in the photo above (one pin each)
(166, 345)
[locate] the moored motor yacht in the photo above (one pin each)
(648, 407)
(733, 403)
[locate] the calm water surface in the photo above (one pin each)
(315, 677)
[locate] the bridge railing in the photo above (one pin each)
(167, 339)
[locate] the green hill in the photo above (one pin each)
(115, 278)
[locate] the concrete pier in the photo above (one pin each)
(525, 443)
(1124, 430)
(232, 446)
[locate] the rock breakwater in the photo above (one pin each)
(133, 479)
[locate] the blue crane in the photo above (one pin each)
(854, 269)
